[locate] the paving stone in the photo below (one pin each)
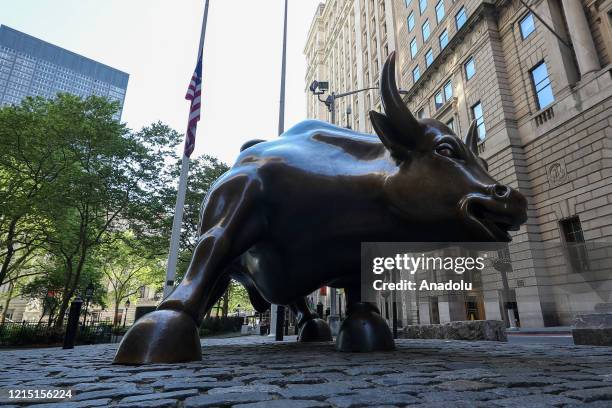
(104, 402)
(284, 403)
(444, 396)
(321, 390)
(225, 399)
(402, 378)
(528, 401)
(464, 385)
(591, 394)
(467, 374)
(116, 392)
(161, 403)
(371, 398)
(246, 388)
(160, 395)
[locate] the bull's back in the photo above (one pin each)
(318, 148)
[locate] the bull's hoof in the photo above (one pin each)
(162, 336)
(315, 330)
(364, 330)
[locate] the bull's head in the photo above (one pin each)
(440, 180)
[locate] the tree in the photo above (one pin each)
(128, 268)
(98, 178)
(29, 164)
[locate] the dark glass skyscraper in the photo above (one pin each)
(32, 67)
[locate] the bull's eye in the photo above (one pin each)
(446, 150)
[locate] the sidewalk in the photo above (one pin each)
(255, 371)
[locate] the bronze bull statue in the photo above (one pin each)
(290, 215)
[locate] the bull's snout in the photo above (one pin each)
(500, 191)
(499, 210)
(513, 202)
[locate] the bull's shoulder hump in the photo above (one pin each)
(311, 127)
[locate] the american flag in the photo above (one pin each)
(194, 94)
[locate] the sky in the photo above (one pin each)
(156, 42)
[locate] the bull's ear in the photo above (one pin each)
(388, 136)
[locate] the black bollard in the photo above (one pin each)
(280, 322)
(73, 322)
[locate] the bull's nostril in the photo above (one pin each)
(501, 190)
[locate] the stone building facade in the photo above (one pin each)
(347, 44)
(538, 82)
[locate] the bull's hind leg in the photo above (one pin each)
(363, 329)
(311, 327)
(228, 227)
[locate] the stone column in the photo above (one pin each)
(582, 40)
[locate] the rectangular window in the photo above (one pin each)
(429, 57)
(479, 118)
(460, 18)
(425, 30)
(451, 124)
(407, 2)
(574, 240)
(470, 68)
(542, 85)
(411, 21)
(439, 100)
(422, 5)
(421, 113)
(413, 48)
(448, 90)
(416, 73)
(440, 11)
(527, 25)
(443, 39)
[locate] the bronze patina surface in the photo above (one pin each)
(290, 216)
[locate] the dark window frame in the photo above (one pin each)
(462, 9)
(525, 17)
(573, 239)
(465, 68)
(534, 86)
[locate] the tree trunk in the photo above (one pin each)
(8, 301)
(10, 250)
(116, 314)
(226, 302)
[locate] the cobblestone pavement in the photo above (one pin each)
(256, 372)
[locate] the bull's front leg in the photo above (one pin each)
(229, 226)
(364, 329)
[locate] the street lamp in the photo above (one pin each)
(89, 290)
(127, 307)
(319, 88)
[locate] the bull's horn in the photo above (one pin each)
(395, 109)
(472, 138)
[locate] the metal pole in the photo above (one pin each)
(281, 111)
(180, 198)
(73, 323)
(277, 314)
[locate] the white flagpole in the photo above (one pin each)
(180, 198)
(277, 318)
